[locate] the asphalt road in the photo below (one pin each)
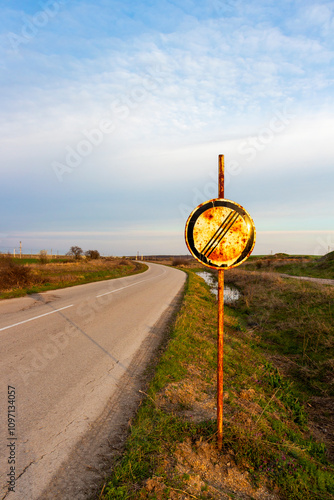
(69, 357)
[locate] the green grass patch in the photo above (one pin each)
(317, 269)
(311, 266)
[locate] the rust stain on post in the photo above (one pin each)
(221, 177)
(220, 371)
(220, 234)
(220, 360)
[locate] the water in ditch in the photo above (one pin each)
(231, 294)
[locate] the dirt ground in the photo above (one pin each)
(205, 472)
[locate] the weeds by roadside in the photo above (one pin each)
(268, 449)
(293, 319)
(20, 278)
(12, 275)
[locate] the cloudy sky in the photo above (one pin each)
(113, 114)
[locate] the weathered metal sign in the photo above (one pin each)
(220, 234)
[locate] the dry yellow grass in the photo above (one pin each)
(17, 279)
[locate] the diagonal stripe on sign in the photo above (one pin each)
(217, 233)
(225, 232)
(226, 229)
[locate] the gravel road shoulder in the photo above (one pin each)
(322, 281)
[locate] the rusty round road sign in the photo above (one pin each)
(220, 233)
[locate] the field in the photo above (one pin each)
(316, 267)
(19, 277)
(278, 399)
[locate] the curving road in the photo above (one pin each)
(74, 357)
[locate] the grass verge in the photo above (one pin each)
(18, 279)
(268, 448)
(294, 320)
(312, 266)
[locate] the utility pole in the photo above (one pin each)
(20, 249)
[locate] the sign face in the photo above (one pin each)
(220, 234)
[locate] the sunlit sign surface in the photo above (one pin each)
(220, 233)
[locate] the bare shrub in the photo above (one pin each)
(75, 252)
(92, 254)
(180, 262)
(43, 257)
(13, 275)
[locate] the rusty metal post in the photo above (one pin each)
(207, 246)
(220, 346)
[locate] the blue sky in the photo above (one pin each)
(113, 115)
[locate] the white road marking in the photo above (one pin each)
(66, 307)
(133, 284)
(36, 317)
